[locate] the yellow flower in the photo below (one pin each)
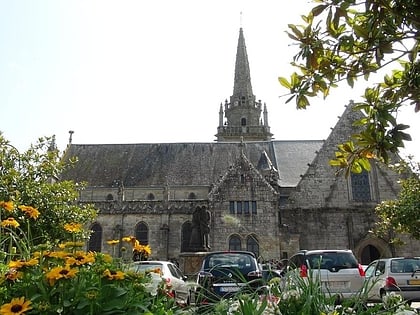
(17, 306)
(7, 205)
(81, 258)
(129, 239)
(73, 227)
(112, 242)
(143, 249)
(10, 222)
(17, 264)
(30, 211)
(57, 254)
(58, 273)
(71, 245)
(114, 275)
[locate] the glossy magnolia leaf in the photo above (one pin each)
(361, 122)
(302, 101)
(350, 80)
(285, 83)
(294, 79)
(356, 168)
(402, 127)
(295, 30)
(318, 9)
(364, 162)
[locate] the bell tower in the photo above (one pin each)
(242, 117)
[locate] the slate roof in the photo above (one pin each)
(157, 164)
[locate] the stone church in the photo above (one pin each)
(268, 196)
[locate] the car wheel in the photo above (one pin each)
(382, 294)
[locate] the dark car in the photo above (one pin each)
(270, 271)
(224, 274)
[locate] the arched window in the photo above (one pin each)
(252, 245)
(369, 254)
(109, 197)
(186, 236)
(150, 197)
(95, 239)
(243, 121)
(192, 196)
(235, 242)
(142, 233)
(360, 186)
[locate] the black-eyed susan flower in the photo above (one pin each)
(10, 222)
(112, 242)
(7, 205)
(114, 275)
(80, 258)
(58, 273)
(58, 254)
(73, 227)
(143, 249)
(18, 306)
(30, 211)
(17, 264)
(130, 239)
(71, 245)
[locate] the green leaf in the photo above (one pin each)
(318, 9)
(302, 101)
(285, 83)
(295, 30)
(364, 163)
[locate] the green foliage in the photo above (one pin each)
(402, 215)
(294, 294)
(74, 282)
(343, 40)
(32, 179)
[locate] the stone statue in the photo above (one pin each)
(205, 226)
(200, 229)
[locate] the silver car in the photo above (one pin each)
(338, 271)
(399, 274)
(170, 273)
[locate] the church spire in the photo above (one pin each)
(243, 112)
(242, 83)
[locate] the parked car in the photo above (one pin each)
(174, 279)
(339, 272)
(399, 274)
(269, 272)
(224, 274)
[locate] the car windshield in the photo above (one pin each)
(327, 260)
(147, 267)
(231, 260)
(405, 265)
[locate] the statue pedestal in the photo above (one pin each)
(190, 263)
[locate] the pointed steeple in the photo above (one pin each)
(243, 112)
(242, 83)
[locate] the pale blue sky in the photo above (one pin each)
(136, 71)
